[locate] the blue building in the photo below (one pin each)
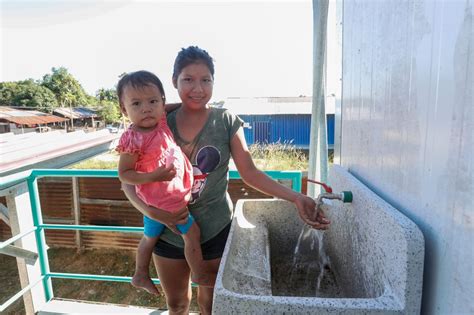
(278, 119)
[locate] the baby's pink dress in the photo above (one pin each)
(156, 148)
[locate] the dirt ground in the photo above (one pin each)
(101, 262)
(9, 284)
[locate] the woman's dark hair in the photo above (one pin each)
(139, 79)
(191, 55)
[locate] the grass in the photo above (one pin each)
(278, 156)
(10, 284)
(98, 261)
(274, 156)
(106, 161)
(96, 165)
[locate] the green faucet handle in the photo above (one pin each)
(347, 196)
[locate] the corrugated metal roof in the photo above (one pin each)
(272, 105)
(77, 112)
(27, 117)
(53, 149)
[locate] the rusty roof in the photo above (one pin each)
(27, 117)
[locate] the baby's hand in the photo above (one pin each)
(164, 173)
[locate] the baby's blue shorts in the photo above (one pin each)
(154, 228)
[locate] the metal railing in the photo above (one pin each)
(31, 178)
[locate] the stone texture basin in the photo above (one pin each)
(376, 258)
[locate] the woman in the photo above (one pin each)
(209, 137)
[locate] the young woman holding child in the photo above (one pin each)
(209, 137)
(151, 160)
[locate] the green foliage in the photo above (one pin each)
(35, 95)
(8, 90)
(109, 111)
(91, 101)
(27, 93)
(67, 89)
(107, 161)
(59, 88)
(106, 95)
(92, 164)
(278, 156)
(108, 108)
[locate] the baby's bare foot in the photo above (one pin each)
(204, 279)
(144, 282)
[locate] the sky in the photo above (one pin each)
(259, 48)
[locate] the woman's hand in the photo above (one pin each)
(309, 214)
(173, 218)
(167, 218)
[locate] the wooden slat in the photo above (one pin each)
(56, 197)
(113, 213)
(110, 240)
(239, 190)
(101, 188)
(60, 238)
(93, 214)
(5, 231)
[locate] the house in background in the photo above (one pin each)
(21, 121)
(278, 119)
(80, 116)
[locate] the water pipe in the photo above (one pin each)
(327, 188)
(318, 153)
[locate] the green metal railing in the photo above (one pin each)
(31, 178)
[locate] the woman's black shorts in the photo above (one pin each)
(212, 249)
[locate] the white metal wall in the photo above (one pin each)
(407, 128)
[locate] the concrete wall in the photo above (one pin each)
(407, 127)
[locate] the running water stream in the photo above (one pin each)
(308, 272)
(317, 255)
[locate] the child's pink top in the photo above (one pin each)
(156, 148)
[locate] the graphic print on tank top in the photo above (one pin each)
(207, 159)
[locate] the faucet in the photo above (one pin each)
(344, 196)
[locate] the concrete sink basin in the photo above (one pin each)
(374, 259)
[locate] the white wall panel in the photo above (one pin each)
(407, 127)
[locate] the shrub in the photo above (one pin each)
(278, 156)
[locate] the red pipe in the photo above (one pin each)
(327, 188)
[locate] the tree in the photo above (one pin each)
(67, 89)
(8, 90)
(91, 101)
(109, 111)
(109, 108)
(106, 95)
(27, 93)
